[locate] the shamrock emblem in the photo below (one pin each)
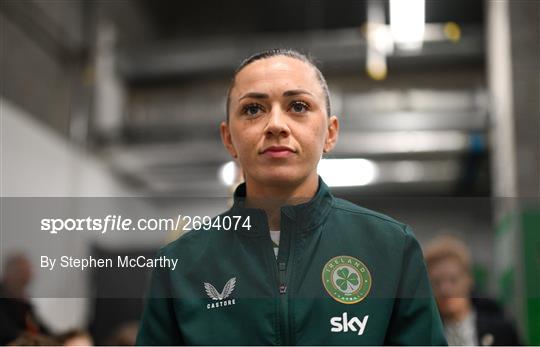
(346, 278)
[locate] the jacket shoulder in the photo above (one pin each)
(363, 214)
(189, 242)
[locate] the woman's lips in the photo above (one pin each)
(278, 152)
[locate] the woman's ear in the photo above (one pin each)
(227, 139)
(332, 134)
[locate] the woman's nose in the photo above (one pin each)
(277, 123)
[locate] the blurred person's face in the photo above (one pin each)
(82, 340)
(278, 127)
(451, 286)
(19, 273)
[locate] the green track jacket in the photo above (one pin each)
(344, 275)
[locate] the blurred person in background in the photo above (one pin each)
(312, 287)
(30, 339)
(17, 314)
(75, 337)
(124, 335)
(467, 321)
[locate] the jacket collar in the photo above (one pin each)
(307, 215)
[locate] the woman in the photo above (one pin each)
(343, 275)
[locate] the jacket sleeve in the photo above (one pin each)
(158, 324)
(415, 318)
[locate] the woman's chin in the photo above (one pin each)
(281, 178)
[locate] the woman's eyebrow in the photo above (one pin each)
(296, 92)
(254, 95)
(287, 93)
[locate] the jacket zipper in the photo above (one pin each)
(282, 287)
(288, 312)
(283, 300)
(278, 278)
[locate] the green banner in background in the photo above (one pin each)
(530, 226)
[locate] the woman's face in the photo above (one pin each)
(278, 127)
(451, 286)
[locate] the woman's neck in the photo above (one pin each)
(271, 198)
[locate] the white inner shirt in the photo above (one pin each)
(274, 235)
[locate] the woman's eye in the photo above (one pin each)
(299, 107)
(251, 109)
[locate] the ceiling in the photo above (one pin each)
(427, 121)
(175, 19)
